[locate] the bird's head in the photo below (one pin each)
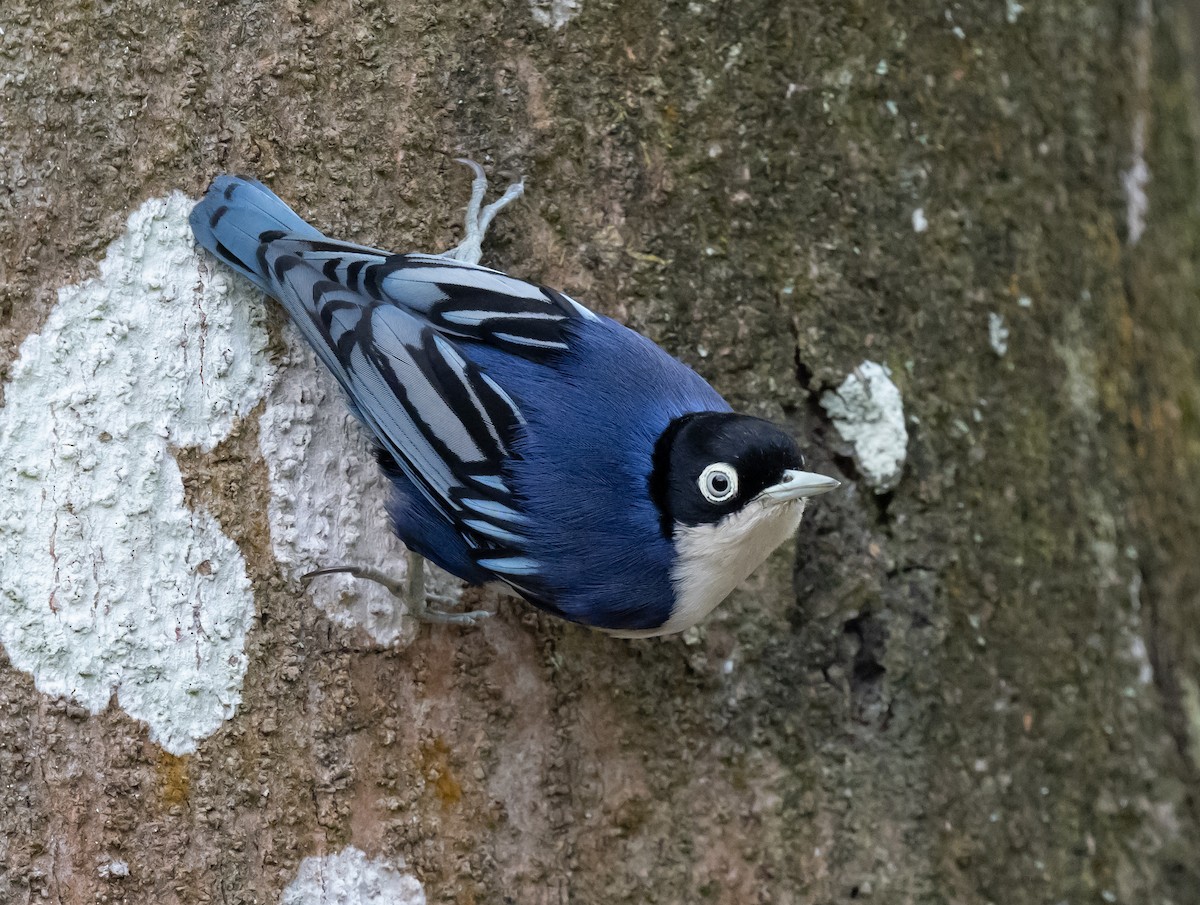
(711, 466)
(729, 489)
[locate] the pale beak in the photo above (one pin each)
(798, 485)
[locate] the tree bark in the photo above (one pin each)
(980, 685)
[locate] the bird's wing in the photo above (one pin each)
(459, 300)
(447, 424)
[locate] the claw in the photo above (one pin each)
(415, 591)
(479, 218)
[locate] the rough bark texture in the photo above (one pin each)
(983, 686)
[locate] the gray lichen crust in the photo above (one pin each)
(869, 415)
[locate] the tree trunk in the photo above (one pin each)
(957, 239)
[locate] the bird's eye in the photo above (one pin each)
(719, 482)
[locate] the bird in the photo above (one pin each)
(530, 442)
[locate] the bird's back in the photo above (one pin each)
(594, 417)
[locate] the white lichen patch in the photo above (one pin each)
(919, 222)
(554, 13)
(869, 415)
(1135, 179)
(109, 583)
(1138, 653)
(351, 878)
(113, 869)
(328, 498)
(998, 334)
(1081, 385)
(1134, 182)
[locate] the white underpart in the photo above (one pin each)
(869, 415)
(351, 878)
(712, 560)
(328, 497)
(109, 583)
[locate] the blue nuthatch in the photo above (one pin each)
(528, 440)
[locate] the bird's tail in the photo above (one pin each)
(236, 217)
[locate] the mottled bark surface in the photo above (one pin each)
(983, 686)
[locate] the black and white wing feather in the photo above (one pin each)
(388, 328)
(459, 300)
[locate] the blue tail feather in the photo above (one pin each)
(231, 218)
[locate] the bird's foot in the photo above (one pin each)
(412, 593)
(479, 218)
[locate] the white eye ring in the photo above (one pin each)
(719, 482)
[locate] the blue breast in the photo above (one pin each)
(593, 417)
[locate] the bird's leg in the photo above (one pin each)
(415, 599)
(479, 218)
(416, 591)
